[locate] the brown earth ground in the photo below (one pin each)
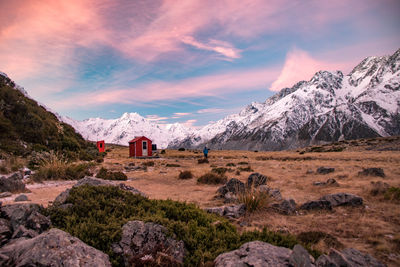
(374, 228)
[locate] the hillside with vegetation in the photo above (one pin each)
(26, 126)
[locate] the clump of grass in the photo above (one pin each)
(393, 194)
(243, 163)
(172, 165)
(230, 164)
(245, 169)
(185, 175)
(202, 161)
(148, 163)
(55, 167)
(98, 213)
(212, 178)
(314, 237)
(221, 170)
(11, 164)
(253, 199)
(107, 175)
(162, 151)
(181, 149)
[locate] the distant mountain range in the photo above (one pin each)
(330, 107)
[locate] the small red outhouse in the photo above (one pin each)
(140, 146)
(101, 146)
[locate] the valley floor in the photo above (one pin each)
(373, 228)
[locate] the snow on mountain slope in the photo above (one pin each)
(329, 107)
(122, 130)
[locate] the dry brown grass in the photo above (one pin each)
(373, 229)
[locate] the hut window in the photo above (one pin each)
(144, 144)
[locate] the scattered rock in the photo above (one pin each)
(324, 170)
(232, 211)
(38, 222)
(12, 183)
(230, 198)
(275, 193)
(147, 240)
(372, 172)
(23, 232)
(256, 254)
(309, 171)
(21, 198)
(5, 194)
(18, 214)
(301, 257)
(329, 182)
(343, 199)
(5, 231)
(131, 189)
(316, 205)
(133, 168)
(52, 248)
(256, 179)
(286, 206)
(234, 186)
(347, 257)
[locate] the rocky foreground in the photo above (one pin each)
(28, 239)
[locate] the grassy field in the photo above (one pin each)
(374, 228)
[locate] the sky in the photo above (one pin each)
(187, 61)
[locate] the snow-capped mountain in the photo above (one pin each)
(122, 130)
(330, 107)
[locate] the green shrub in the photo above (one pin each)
(185, 175)
(212, 178)
(181, 149)
(393, 194)
(172, 165)
(221, 170)
(230, 164)
(243, 163)
(245, 169)
(98, 213)
(107, 175)
(162, 151)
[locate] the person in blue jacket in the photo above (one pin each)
(205, 151)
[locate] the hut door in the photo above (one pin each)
(144, 148)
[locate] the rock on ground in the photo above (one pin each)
(52, 248)
(148, 241)
(234, 186)
(21, 198)
(325, 170)
(348, 257)
(316, 205)
(329, 182)
(13, 183)
(343, 199)
(275, 193)
(232, 211)
(286, 206)
(259, 254)
(256, 179)
(372, 172)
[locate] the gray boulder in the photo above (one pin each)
(274, 193)
(372, 172)
(5, 194)
(300, 257)
(21, 198)
(343, 199)
(256, 179)
(233, 186)
(255, 254)
(329, 182)
(324, 170)
(18, 214)
(148, 241)
(232, 211)
(13, 183)
(5, 231)
(348, 257)
(316, 205)
(286, 206)
(52, 248)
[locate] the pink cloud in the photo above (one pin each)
(210, 110)
(210, 85)
(223, 48)
(156, 118)
(300, 65)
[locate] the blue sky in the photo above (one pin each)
(183, 61)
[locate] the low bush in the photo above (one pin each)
(245, 169)
(172, 165)
(230, 164)
(314, 237)
(181, 149)
(62, 171)
(11, 164)
(243, 163)
(221, 170)
(393, 194)
(148, 163)
(212, 178)
(185, 175)
(107, 175)
(162, 151)
(202, 161)
(97, 215)
(253, 199)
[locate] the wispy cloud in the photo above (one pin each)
(156, 118)
(224, 48)
(210, 110)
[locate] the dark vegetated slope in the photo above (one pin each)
(98, 213)
(26, 126)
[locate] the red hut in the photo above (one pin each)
(101, 146)
(140, 147)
